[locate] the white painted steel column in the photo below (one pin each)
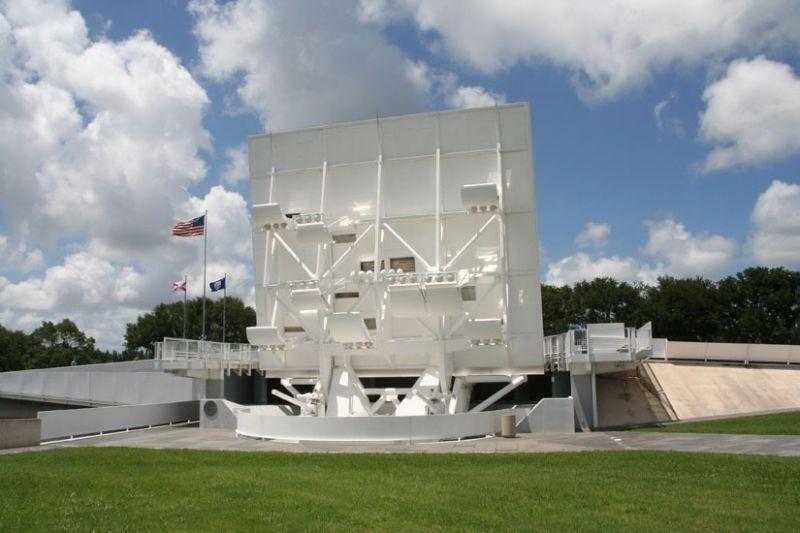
(503, 234)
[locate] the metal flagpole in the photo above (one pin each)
(185, 290)
(205, 263)
(224, 302)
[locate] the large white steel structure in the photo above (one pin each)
(399, 246)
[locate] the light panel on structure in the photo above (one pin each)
(405, 296)
(484, 332)
(348, 328)
(480, 197)
(311, 229)
(268, 337)
(269, 217)
(309, 319)
(305, 298)
(443, 295)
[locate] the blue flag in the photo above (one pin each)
(217, 285)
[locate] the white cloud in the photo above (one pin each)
(666, 122)
(298, 63)
(752, 114)
(99, 142)
(775, 240)
(18, 256)
(583, 267)
(237, 167)
(610, 47)
(676, 250)
(685, 254)
(595, 234)
(469, 96)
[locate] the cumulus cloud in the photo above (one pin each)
(298, 63)
(610, 47)
(775, 240)
(752, 114)
(18, 256)
(236, 168)
(100, 141)
(595, 234)
(469, 96)
(687, 254)
(676, 252)
(583, 267)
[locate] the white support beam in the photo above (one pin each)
(290, 399)
(461, 320)
(347, 251)
(410, 248)
(472, 239)
(515, 382)
(294, 256)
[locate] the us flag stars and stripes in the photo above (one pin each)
(190, 228)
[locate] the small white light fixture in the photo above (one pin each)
(268, 337)
(311, 229)
(480, 197)
(268, 217)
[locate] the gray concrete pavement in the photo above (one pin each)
(224, 439)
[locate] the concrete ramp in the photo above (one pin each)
(625, 399)
(700, 390)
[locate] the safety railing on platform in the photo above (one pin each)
(208, 353)
(600, 343)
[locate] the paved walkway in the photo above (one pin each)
(225, 439)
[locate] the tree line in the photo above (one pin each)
(757, 305)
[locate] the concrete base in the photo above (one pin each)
(20, 432)
(254, 422)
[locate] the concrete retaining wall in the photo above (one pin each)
(549, 415)
(19, 432)
(734, 352)
(99, 388)
(77, 422)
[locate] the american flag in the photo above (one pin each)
(178, 286)
(190, 228)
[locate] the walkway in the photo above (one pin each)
(224, 439)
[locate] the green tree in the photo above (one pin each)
(558, 309)
(684, 309)
(761, 305)
(166, 320)
(607, 300)
(59, 344)
(15, 347)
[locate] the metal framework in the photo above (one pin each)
(382, 248)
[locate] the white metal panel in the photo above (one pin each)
(350, 191)
(471, 129)
(409, 136)
(409, 187)
(298, 192)
(351, 143)
(298, 149)
(260, 155)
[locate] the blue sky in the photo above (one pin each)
(674, 130)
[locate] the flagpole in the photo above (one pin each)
(185, 290)
(224, 302)
(205, 263)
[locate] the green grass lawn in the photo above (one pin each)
(155, 490)
(772, 424)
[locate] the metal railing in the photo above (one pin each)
(581, 346)
(207, 353)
